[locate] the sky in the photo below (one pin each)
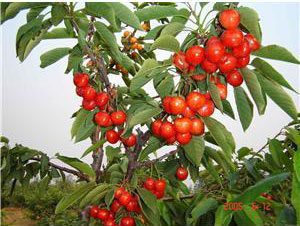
(37, 104)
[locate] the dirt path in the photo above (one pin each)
(13, 216)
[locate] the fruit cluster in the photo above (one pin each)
(156, 187)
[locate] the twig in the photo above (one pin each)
(151, 162)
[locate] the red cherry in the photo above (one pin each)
(182, 125)
(195, 100)
(89, 93)
(199, 77)
(118, 192)
(125, 198)
(166, 104)
(94, 211)
(171, 140)
(192, 69)
(132, 206)
(208, 66)
(130, 141)
(179, 60)
(109, 222)
(207, 95)
(133, 55)
(159, 194)
(183, 138)
(188, 113)
(167, 130)
(88, 104)
(156, 127)
(229, 18)
(111, 215)
(232, 38)
(197, 127)
(102, 119)
(181, 173)
(242, 61)
(103, 214)
(207, 109)
(101, 99)
(194, 55)
(211, 40)
(235, 78)
(269, 197)
(149, 184)
(214, 51)
(112, 136)
(81, 80)
(127, 221)
(253, 43)
(177, 105)
(79, 91)
(160, 185)
(241, 50)
(227, 63)
(222, 90)
(115, 206)
(118, 117)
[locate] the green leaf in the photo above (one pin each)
(86, 127)
(172, 29)
(297, 164)
(93, 147)
(228, 109)
(77, 164)
(53, 55)
(109, 197)
(57, 33)
(148, 198)
(215, 95)
(4, 139)
(155, 12)
(296, 196)
(100, 189)
(253, 215)
(182, 16)
(79, 119)
(126, 15)
(152, 145)
(276, 52)
(205, 205)
(153, 33)
(220, 218)
(58, 13)
(219, 6)
(72, 198)
(268, 71)
(244, 107)
(112, 153)
(250, 20)
(164, 86)
(255, 89)
(166, 42)
(44, 164)
(34, 12)
(242, 152)
(194, 150)
(142, 116)
(278, 95)
(74, 60)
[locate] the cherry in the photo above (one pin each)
(194, 55)
(208, 66)
(103, 214)
(214, 51)
(188, 113)
(119, 192)
(183, 138)
(118, 117)
(242, 50)
(242, 61)
(156, 127)
(177, 105)
(133, 55)
(149, 184)
(140, 47)
(181, 173)
(160, 185)
(235, 78)
(253, 43)
(101, 99)
(182, 125)
(227, 63)
(207, 95)
(79, 91)
(115, 206)
(171, 140)
(102, 119)
(81, 80)
(125, 198)
(112, 136)
(199, 77)
(167, 130)
(159, 194)
(127, 221)
(126, 33)
(94, 211)
(111, 215)
(133, 40)
(229, 18)
(211, 40)
(195, 100)
(179, 60)
(89, 93)
(109, 222)
(166, 104)
(132, 206)
(207, 109)
(130, 141)
(88, 104)
(214, 79)
(232, 38)
(197, 127)
(222, 90)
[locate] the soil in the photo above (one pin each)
(13, 216)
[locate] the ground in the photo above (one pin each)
(13, 216)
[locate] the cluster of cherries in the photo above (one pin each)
(156, 187)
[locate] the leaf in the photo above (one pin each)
(109, 197)
(172, 29)
(112, 153)
(228, 109)
(268, 71)
(148, 198)
(182, 16)
(253, 215)
(100, 189)
(242, 152)
(278, 95)
(215, 95)
(153, 33)
(250, 20)
(276, 151)
(194, 150)
(79, 118)
(165, 86)
(296, 196)
(93, 147)
(126, 15)
(166, 42)
(86, 127)
(219, 6)
(155, 12)
(34, 12)
(53, 55)
(152, 145)
(70, 199)
(44, 164)
(142, 116)
(58, 13)
(276, 52)
(220, 218)
(58, 33)
(255, 89)
(205, 205)
(244, 107)
(77, 164)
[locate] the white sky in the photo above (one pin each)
(37, 103)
